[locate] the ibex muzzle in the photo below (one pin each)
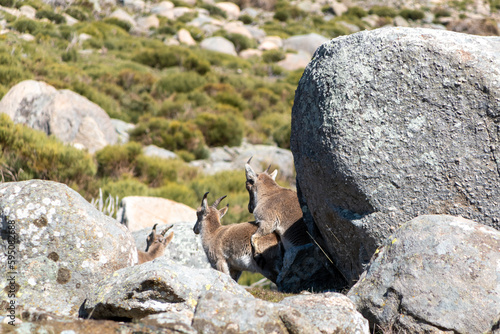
(276, 209)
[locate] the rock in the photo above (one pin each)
(400, 22)
(185, 37)
(234, 158)
(257, 33)
(338, 8)
(122, 130)
(232, 10)
(28, 11)
(249, 53)
(434, 274)
(380, 136)
(27, 37)
(122, 15)
(185, 248)
(155, 151)
(307, 43)
(154, 287)
(295, 61)
(237, 27)
(11, 11)
(138, 212)
(178, 321)
(64, 246)
(330, 312)
(352, 27)
(179, 11)
(62, 113)
(147, 23)
(483, 27)
(163, 8)
(227, 313)
(70, 20)
(135, 5)
(218, 44)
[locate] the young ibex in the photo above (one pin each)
(228, 247)
(276, 209)
(156, 244)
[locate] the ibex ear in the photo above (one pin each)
(273, 174)
(249, 172)
(204, 202)
(223, 211)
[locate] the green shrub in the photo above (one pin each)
(273, 56)
(156, 171)
(10, 75)
(383, 11)
(7, 3)
(356, 11)
(246, 19)
(214, 10)
(50, 15)
(278, 127)
(117, 22)
(116, 160)
(282, 15)
(412, 14)
(70, 55)
(79, 13)
(170, 56)
(441, 12)
(197, 64)
(183, 82)
(172, 135)
(25, 25)
(29, 153)
(178, 192)
(231, 99)
(104, 101)
(219, 130)
(167, 30)
(241, 42)
(125, 187)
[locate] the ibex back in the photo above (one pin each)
(276, 209)
(228, 247)
(156, 244)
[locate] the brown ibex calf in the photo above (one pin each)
(228, 247)
(156, 244)
(276, 209)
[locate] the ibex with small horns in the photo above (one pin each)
(156, 244)
(228, 247)
(276, 209)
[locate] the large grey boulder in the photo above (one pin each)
(185, 248)
(227, 313)
(65, 114)
(60, 244)
(155, 287)
(330, 312)
(394, 123)
(139, 212)
(434, 274)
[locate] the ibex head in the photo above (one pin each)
(256, 181)
(209, 213)
(155, 240)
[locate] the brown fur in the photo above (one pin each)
(276, 209)
(156, 244)
(228, 247)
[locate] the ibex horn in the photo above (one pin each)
(249, 159)
(204, 201)
(166, 229)
(267, 169)
(217, 202)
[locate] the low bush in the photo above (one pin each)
(356, 11)
(117, 22)
(273, 56)
(383, 11)
(25, 25)
(182, 82)
(172, 135)
(219, 130)
(28, 154)
(412, 14)
(241, 42)
(116, 160)
(50, 15)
